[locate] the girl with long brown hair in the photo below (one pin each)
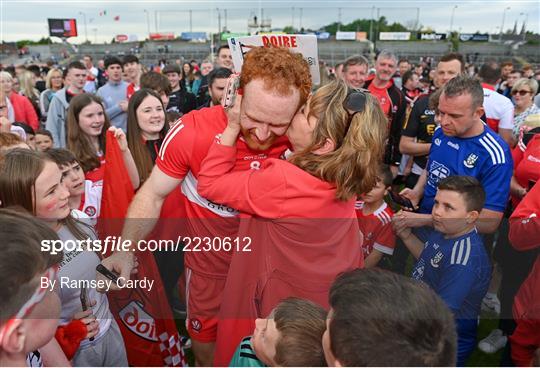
(146, 128)
(301, 230)
(87, 125)
(31, 180)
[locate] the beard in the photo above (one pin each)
(256, 145)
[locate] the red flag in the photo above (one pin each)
(117, 17)
(117, 187)
(146, 320)
(143, 314)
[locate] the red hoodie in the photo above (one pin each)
(524, 235)
(24, 111)
(301, 236)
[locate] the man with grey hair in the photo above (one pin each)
(392, 102)
(355, 71)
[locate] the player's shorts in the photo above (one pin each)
(203, 299)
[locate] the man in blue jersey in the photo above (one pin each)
(462, 145)
(453, 260)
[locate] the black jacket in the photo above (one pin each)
(392, 155)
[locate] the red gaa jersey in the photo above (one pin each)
(527, 164)
(377, 229)
(131, 89)
(384, 98)
(180, 156)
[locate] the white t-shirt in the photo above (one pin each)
(81, 266)
(91, 202)
(499, 110)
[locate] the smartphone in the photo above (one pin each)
(84, 303)
(400, 200)
(231, 90)
(84, 299)
(105, 272)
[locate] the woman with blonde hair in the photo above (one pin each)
(23, 110)
(28, 88)
(53, 82)
(523, 93)
(300, 229)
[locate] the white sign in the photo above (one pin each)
(303, 44)
(351, 36)
(394, 36)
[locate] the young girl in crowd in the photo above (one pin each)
(28, 89)
(28, 311)
(302, 229)
(87, 125)
(188, 76)
(34, 182)
(84, 195)
(43, 140)
(146, 129)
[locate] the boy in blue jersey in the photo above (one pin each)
(291, 336)
(453, 260)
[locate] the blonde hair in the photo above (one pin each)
(526, 82)
(49, 76)
(27, 87)
(6, 75)
(353, 166)
(532, 121)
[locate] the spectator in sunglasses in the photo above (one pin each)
(299, 212)
(523, 93)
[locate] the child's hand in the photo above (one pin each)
(400, 223)
(412, 196)
(87, 317)
(404, 233)
(233, 114)
(120, 137)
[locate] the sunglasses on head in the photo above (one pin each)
(520, 92)
(355, 102)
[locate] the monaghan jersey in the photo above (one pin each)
(499, 110)
(486, 157)
(180, 156)
(457, 269)
(376, 229)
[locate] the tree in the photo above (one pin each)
(42, 41)
(365, 25)
(289, 30)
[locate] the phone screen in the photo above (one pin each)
(400, 200)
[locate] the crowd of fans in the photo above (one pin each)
(385, 209)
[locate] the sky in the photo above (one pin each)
(27, 19)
